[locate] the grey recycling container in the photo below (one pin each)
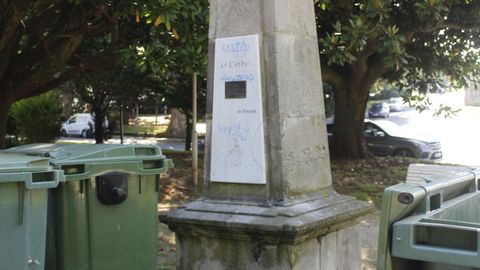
(431, 226)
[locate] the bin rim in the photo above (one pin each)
(13, 162)
(64, 152)
(34, 172)
(445, 189)
(96, 159)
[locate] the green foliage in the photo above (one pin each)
(446, 111)
(46, 43)
(428, 8)
(12, 133)
(328, 97)
(385, 94)
(37, 119)
(175, 48)
(412, 44)
(416, 40)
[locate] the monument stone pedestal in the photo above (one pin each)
(268, 201)
(316, 234)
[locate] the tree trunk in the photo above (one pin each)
(351, 86)
(99, 119)
(348, 140)
(189, 127)
(176, 127)
(4, 108)
(126, 116)
(67, 100)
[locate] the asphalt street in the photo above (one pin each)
(458, 134)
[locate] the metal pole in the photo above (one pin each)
(194, 132)
(121, 124)
(156, 111)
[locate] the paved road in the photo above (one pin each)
(164, 143)
(459, 135)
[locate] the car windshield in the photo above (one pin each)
(396, 100)
(390, 127)
(395, 130)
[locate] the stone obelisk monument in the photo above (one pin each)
(268, 201)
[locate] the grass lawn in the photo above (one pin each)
(366, 179)
(144, 130)
(362, 179)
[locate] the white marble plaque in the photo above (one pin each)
(238, 154)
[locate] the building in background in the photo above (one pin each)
(472, 94)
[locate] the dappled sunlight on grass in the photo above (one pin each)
(176, 189)
(366, 179)
(144, 130)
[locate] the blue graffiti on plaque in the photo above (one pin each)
(237, 77)
(235, 131)
(239, 48)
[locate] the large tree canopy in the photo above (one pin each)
(411, 42)
(172, 53)
(39, 40)
(41, 43)
(45, 43)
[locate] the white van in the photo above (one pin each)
(80, 124)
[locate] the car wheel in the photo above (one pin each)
(84, 134)
(404, 153)
(63, 133)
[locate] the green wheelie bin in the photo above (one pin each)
(106, 211)
(24, 185)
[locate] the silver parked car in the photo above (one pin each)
(379, 110)
(384, 138)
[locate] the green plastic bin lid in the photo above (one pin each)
(22, 163)
(87, 151)
(35, 172)
(86, 160)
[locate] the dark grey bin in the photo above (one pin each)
(431, 226)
